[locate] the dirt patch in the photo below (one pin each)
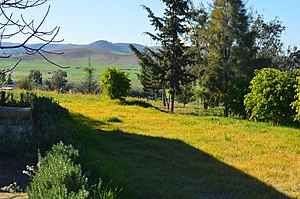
(11, 171)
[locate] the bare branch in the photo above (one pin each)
(10, 27)
(3, 71)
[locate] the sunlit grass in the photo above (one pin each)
(272, 155)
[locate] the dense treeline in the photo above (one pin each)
(213, 53)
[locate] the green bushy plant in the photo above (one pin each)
(57, 175)
(25, 84)
(271, 93)
(115, 83)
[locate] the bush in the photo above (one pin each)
(115, 83)
(271, 93)
(57, 176)
(25, 84)
(51, 123)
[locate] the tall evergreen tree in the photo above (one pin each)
(229, 48)
(174, 59)
(89, 85)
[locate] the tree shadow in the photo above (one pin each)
(154, 167)
(141, 103)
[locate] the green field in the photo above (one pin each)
(76, 60)
(154, 154)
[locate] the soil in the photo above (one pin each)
(11, 171)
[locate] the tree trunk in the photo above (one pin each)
(274, 121)
(164, 98)
(172, 99)
(225, 109)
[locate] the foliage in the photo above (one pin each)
(237, 91)
(57, 175)
(51, 124)
(115, 83)
(89, 85)
(2, 78)
(271, 93)
(229, 46)
(25, 84)
(268, 43)
(15, 99)
(152, 73)
(168, 68)
(59, 80)
(35, 76)
(296, 103)
(186, 94)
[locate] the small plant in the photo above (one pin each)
(115, 83)
(57, 176)
(104, 192)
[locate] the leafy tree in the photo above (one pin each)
(89, 85)
(115, 83)
(59, 80)
(271, 93)
(173, 58)
(35, 76)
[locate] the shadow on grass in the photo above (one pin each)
(141, 103)
(152, 167)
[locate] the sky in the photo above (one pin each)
(83, 22)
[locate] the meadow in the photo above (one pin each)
(148, 153)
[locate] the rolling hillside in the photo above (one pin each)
(75, 58)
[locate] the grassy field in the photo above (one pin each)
(153, 154)
(76, 60)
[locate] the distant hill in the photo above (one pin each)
(80, 55)
(99, 45)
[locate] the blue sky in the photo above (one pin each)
(83, 22)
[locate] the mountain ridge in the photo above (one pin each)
(100, 44)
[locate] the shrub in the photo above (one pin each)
(59, 80)
(25, 84)
(271, 93)
(51, 123)
(57, 176)
(115, 83)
